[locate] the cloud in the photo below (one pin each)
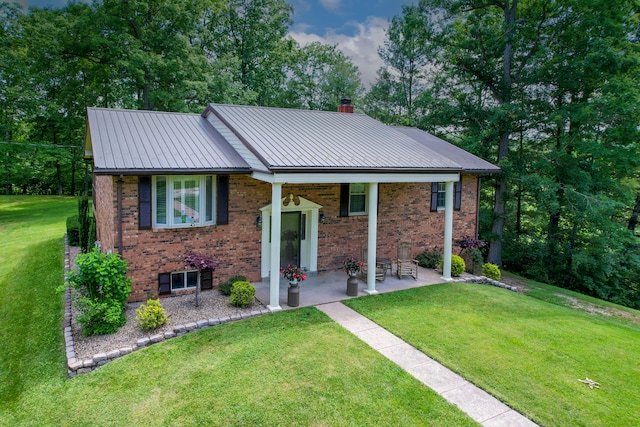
(332, 5)
(362, 47)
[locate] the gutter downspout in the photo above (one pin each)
(119, 196)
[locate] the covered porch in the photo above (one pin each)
(332, 286)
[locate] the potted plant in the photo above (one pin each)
(294, 275)
(352, 267)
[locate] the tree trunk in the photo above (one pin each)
(633, 220)
(500, 202)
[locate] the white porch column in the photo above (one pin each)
(448, 230)
(372, 208)
(274, 271)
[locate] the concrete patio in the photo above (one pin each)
(329, 287)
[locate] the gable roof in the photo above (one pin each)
(245, 139)
(128, 141)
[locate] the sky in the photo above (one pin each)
(357, 27)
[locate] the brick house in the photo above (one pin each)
(221, 183)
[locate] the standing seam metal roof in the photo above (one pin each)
(128, 140)
(298, 139)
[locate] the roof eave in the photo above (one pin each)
(142, 172)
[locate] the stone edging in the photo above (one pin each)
(76, 366)
(482, 280)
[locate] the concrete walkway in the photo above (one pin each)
(478, 404)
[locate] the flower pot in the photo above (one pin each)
(352, 286)
(293, 294)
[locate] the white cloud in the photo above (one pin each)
(362, 47)
(332, 5)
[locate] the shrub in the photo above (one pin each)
(102, 291)
(457, 265)
(225, 287)
(85, 223)
(491, 271)
(73, 230)
(152, 315)
(242, 294)
(429, 258)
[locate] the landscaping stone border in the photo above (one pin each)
(77, 366)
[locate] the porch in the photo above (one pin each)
(332, 286)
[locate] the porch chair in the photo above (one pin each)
(382, 265)
(406, 265)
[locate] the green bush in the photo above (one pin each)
(152, 315)
(491, 271)
(429, 258)
(225, 287)
(102, 290)
(457, 265)
(73, 230)
(85, 223)
(242, 294)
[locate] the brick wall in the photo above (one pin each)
(403, 214)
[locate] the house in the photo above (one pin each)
(223, 182)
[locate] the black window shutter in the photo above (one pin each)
(206, 281)
(434, 196)
(458, 195)
(144, 202)
(344, 199)
(222, 213)
(164, 283)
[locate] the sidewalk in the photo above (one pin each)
(478, 404)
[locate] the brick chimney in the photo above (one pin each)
(345, 106)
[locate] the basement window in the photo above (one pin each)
(184, 280)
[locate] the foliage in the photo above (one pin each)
(292, 272)
(152, 315)
(457, 265)
(242, 294)
(199, 262)
(102, 290)
(469, 242)
(225, 287)
(491, 271)
(85, 223)
(351, 266)
(429, 258)
(73, 230)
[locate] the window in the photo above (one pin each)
(184, 280)
(441, 196)
(183, 201)
(438, 196)
(357, 199)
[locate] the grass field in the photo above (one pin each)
(527, 352)
(289, 368)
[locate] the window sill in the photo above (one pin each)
(192, 227)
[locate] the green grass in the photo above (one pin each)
(31, 266)
(289, 368)
(527, 352)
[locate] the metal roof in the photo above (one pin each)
(289, 139)
(128, 141)
(469, 162)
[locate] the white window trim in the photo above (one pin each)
(366, 198)
(184, 272)
(204, 200)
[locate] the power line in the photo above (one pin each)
(39, 145)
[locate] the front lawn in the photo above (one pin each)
(289, 368)
(527, 352)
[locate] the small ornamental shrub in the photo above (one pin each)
(85, 224)
(429, 258)
(225, 287)
(102, 290)
(152, 315)
(457, 265)
(242, 293)
(73, 230)
(491, 271)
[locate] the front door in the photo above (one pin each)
(290, 239)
